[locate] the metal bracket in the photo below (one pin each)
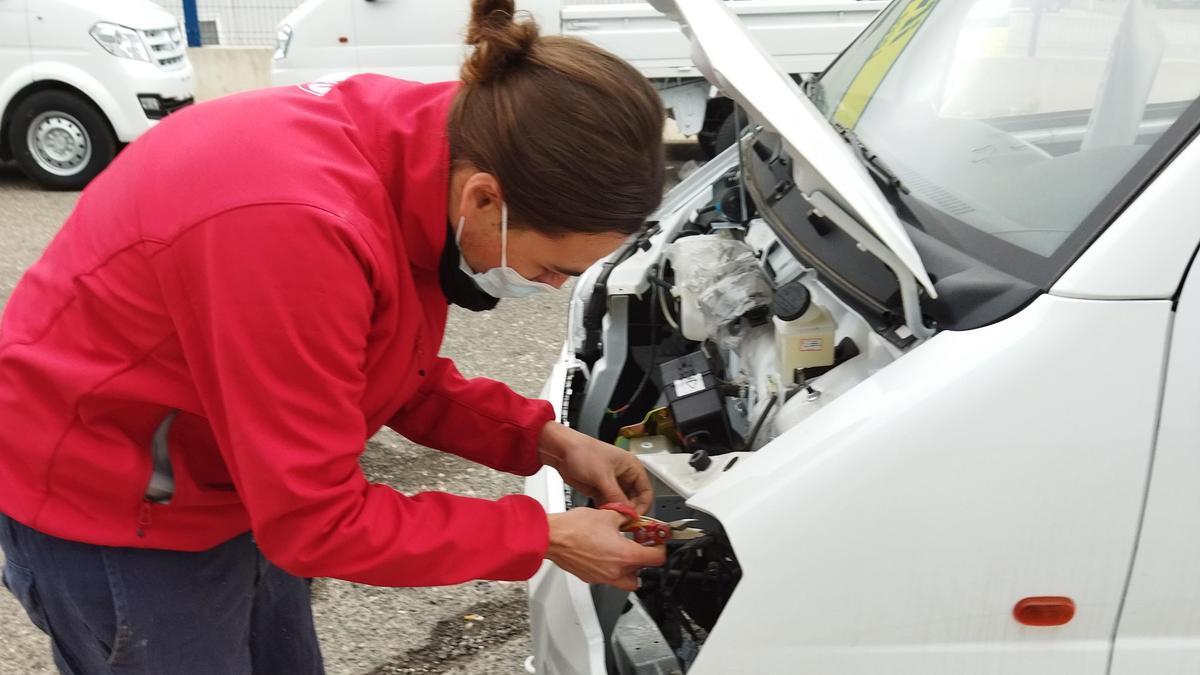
(688, 103)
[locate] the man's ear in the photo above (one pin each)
(482, 192)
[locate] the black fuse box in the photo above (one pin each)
(696, 403)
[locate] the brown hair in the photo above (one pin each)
(572, 133)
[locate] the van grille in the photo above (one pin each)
(166, 47)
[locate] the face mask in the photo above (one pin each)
(457, 286)
(502, 281)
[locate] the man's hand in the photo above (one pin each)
(588, 543)
(601, 471)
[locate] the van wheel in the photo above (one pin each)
(726, 135)
(60, 140)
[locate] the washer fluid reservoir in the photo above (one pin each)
(804, 331)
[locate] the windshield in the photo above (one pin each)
(1009, 121)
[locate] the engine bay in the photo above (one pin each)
(698, 344)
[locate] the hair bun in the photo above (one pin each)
(500, 40)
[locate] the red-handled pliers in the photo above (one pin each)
(651, 531)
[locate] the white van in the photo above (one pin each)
(332, 39)
(997, 470)
(80, 78)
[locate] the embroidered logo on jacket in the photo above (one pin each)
(317, 88)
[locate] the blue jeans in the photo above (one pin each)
(222, 611)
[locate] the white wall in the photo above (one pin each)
(227, 70)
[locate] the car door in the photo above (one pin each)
(1159, 628)
(14, 46)
(410, 39)
(423, 41)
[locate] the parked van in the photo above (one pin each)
(333, 39)
(79, 79)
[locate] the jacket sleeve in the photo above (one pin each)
(477, 419)
(272, 306)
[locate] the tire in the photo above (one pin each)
(60, 140)
(726, 136)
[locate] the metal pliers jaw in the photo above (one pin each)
(651, 531)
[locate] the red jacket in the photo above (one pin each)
(266, 264)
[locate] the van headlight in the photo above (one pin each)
(120, 41)
(283, 40)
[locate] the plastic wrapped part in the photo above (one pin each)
(720, 278)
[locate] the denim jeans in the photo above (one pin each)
(123, 610)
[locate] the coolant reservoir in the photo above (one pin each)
(682, 254)
(804, 330)
(691, 321)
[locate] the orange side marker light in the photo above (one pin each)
(1044, 611)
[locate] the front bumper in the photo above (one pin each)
(566, 633)
(156, 106)
(137, 81)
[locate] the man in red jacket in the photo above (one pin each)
(189, 374)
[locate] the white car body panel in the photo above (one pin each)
(1124, 263)
(135, 14)
(563, 620)
(672, 468)
(964, 514)
(802, 36)
(1160, 626)
(899, 462)
(566, 632)
(14, 29)
(15, 51)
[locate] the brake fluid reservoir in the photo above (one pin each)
(804, 330)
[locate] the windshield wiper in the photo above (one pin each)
(871, 160)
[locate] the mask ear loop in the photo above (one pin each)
(462, 220)
(503, 234)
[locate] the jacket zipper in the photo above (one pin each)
(161, 486)
(143, 519)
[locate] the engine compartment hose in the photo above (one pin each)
(749, 444)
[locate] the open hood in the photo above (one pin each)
(734, 62)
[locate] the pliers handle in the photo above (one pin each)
(646, 530)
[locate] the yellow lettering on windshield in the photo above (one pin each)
(877, 65)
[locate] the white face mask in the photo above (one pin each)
(502, 281)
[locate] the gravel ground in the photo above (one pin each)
(364, 630)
